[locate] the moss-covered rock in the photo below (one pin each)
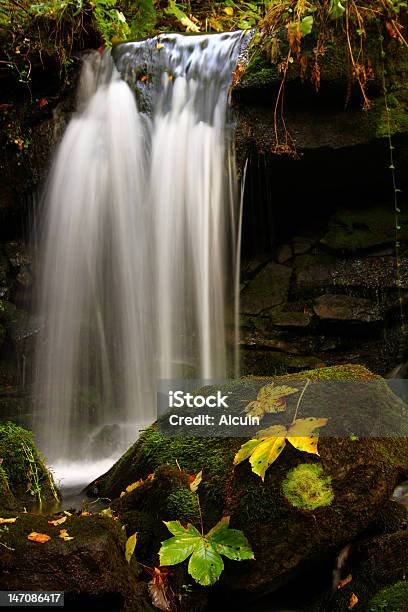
(7, 499)
(27, 475)
(363, 472)
(391, 599)
(90, 569)
(376, 565)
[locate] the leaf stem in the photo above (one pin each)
(300, 399)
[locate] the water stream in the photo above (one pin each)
(140, 234)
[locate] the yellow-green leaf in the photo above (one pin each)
(194, 485)
(268, 450)
(302, 434)
(130, 546)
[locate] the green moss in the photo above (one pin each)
(305, 487)
(26, 472)
(391, 599)
(351, 230)
(182, 502)
(7, 499)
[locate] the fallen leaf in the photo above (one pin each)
(65, 535)
(86, 514)
(268, 444)
(270, 399)
(38, 537)
(344, 582)
(58, 521)
(144, 78)
(43, 102)
(195, 483)
(7, 520)
(353, 601)
(67, 513)
(159, 46)
(130, 546)
(132, 487)
(159, 590)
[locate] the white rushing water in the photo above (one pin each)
(139, 244)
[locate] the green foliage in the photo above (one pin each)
(23, 465)
(305, 487)
(391, 599)
(205, 564)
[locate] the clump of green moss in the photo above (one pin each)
(183, 503)
(392, 599)
(305, 487)
(27, 475)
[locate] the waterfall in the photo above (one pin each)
(139, 241)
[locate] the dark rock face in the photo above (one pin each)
(269, 288)
(341, 295)
(346, 308)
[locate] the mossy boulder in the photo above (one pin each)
(90, 569)
(7, 499)
(363, 470)
(377, 566)
(391, 599)
(28, 478)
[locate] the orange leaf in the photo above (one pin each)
(38, 537)
(353, 601)
(344, 582)
(43, 102)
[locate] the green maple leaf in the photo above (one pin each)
(205, 564)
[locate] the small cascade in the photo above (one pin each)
(139, 239)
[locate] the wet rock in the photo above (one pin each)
(353, 230)
(17, 253)
(377, 564)
(285, 539)
(302, 245)
(91, 569)
(286, 318)
(269, 288)
(284, 253)
(346, 308)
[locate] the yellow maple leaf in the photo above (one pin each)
(268, 444)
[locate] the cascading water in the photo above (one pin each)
(140, 235)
